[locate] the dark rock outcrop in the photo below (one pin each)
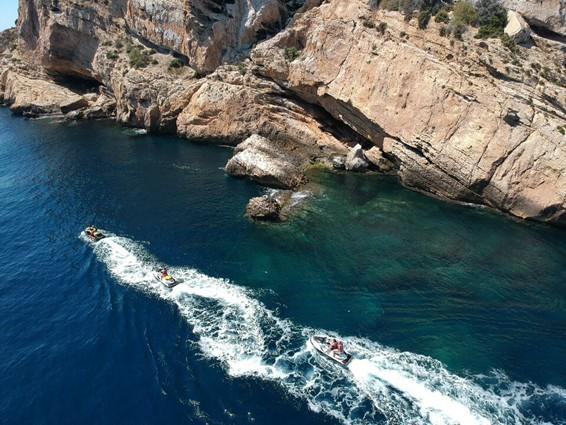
(264, 208)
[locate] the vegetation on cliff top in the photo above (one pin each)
(489, 15)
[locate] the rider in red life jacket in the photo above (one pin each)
(334, 345)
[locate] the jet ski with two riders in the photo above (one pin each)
(94, 234)
(163, 276)
(331, 349)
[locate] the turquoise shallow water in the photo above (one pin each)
(454, 315)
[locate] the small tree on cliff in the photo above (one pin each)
(492, 18)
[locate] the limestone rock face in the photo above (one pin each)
(466, 120)
(36, 96)
(268, 163)
(549, 14)
(229, 107)
(206, 32)
(152, 99)
(74, 103)
(517, 28)
(65, 35)
(375, 156)
(458, 121)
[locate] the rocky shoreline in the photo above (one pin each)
(290, 84)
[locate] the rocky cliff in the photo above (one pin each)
(478, 121)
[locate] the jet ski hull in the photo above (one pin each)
(169, 283)
(321, 345)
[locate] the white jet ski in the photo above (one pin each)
(322, 345)
(94, 234)
(165, 278)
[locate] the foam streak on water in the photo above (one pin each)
(381, 385)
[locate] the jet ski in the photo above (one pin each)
(322, 345)
(94, 234)
(163, 276)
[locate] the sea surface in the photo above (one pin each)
(454, 315)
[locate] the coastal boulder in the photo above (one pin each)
(517, 28)
(264, 208)
(375, 156)
(548, 14)
(338, 162)
(267, 162)
(356, 159)
(33, 96)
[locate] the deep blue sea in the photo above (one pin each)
(454, 315)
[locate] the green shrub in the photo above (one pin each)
(242, 69)
(381, 27)
(492, 18)
(291, 53)
(138, 58)
(443, 32)
(424, 19)
(491, 12)
(442, 16)
(175, 63)
(112, 55)
(408, 7)
(508, 42)
(457, 29)
(391, 4)
(118, 44)
(465, 13)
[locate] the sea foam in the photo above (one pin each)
(381, 384)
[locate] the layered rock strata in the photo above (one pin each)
(469, 120)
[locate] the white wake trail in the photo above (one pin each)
(382, 385)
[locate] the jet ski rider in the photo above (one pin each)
(336, 346)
